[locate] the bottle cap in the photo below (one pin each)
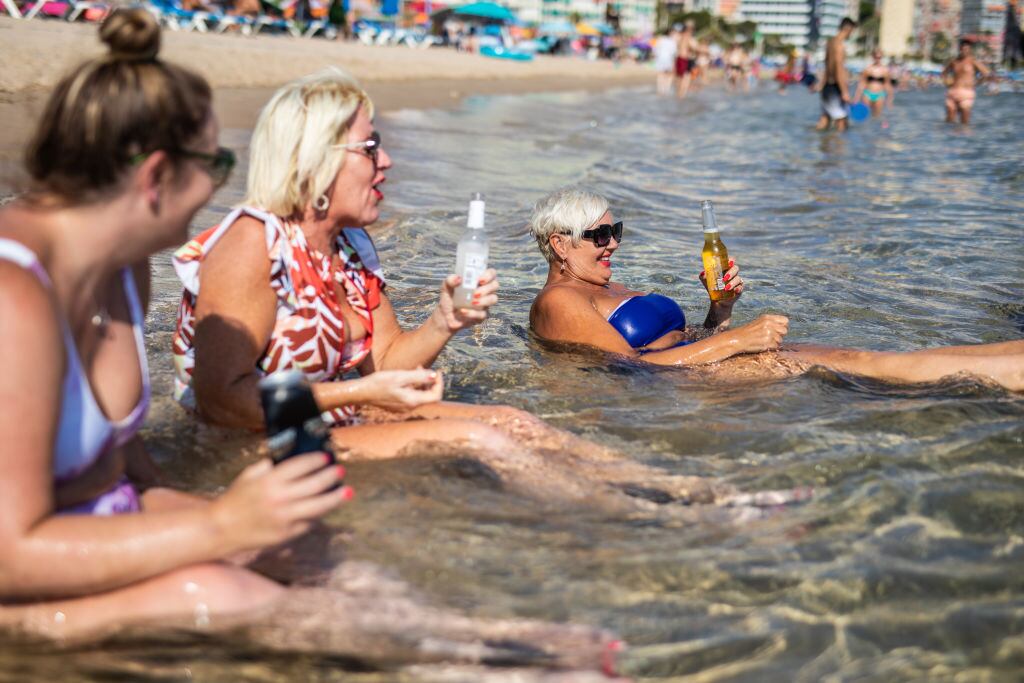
(707, 216)
(476, 211)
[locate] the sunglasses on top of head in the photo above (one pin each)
(602, 235)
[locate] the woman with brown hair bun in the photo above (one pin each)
(125, 154)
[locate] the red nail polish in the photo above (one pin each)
(348, 493)
(702, 273)
(727, 277)
(608, 657)
(327, 458)
(341, 471)
(728, 287)
(731, 262)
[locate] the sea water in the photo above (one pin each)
(907, 564)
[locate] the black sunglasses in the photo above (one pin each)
(602, 235)
(217, 165)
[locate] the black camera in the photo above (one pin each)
(292, 417)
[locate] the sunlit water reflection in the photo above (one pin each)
(907, 565)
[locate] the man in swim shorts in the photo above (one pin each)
(961, 74)
(835, 91)
(686, 55)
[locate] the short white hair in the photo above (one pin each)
(294, 155)
(569, 210)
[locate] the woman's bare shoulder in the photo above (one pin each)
(556, 296)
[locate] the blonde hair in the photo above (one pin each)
(294, 155)
(109, 110)
(569, 210)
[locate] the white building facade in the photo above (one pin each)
(797, 22)
(635, 16)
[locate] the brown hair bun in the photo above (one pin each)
(132, 34)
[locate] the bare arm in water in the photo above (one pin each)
(235, 315)
(567, 314)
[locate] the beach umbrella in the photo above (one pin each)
(586, 29)
(485, 10)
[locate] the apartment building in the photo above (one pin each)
(801, 23)
(635, 16)
(984, 21)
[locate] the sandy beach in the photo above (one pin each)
(245, 69)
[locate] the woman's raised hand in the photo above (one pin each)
(485, 296)
(400, 390)
(764, 333)
(267, 504)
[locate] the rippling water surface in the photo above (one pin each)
(908, 563)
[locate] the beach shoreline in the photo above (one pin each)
(245, 70)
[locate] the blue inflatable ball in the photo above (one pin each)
(860, 112)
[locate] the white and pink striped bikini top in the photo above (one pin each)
(84, 433)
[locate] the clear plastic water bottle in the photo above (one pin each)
(471, 258)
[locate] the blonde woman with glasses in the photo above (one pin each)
(291, 280)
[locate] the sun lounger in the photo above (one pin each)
(87, 8)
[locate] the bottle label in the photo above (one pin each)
(474, 268)
(719, 282)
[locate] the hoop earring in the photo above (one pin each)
(322, 203)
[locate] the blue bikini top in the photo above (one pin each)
(644, 319)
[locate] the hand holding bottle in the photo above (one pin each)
(733, 283)
(454, 319)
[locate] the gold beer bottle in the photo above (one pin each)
(714, 255)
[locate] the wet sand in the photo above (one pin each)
(244, 71)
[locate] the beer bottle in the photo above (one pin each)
(714, 255)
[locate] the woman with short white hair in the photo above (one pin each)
(580, 304)
(291, 280)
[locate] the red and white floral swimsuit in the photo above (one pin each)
(309, 332)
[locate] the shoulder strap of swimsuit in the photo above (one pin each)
(18, 253)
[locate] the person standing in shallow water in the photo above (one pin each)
(961, 74)
(686, 56)
(875, 85)
(665, 48)
(835, 86)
